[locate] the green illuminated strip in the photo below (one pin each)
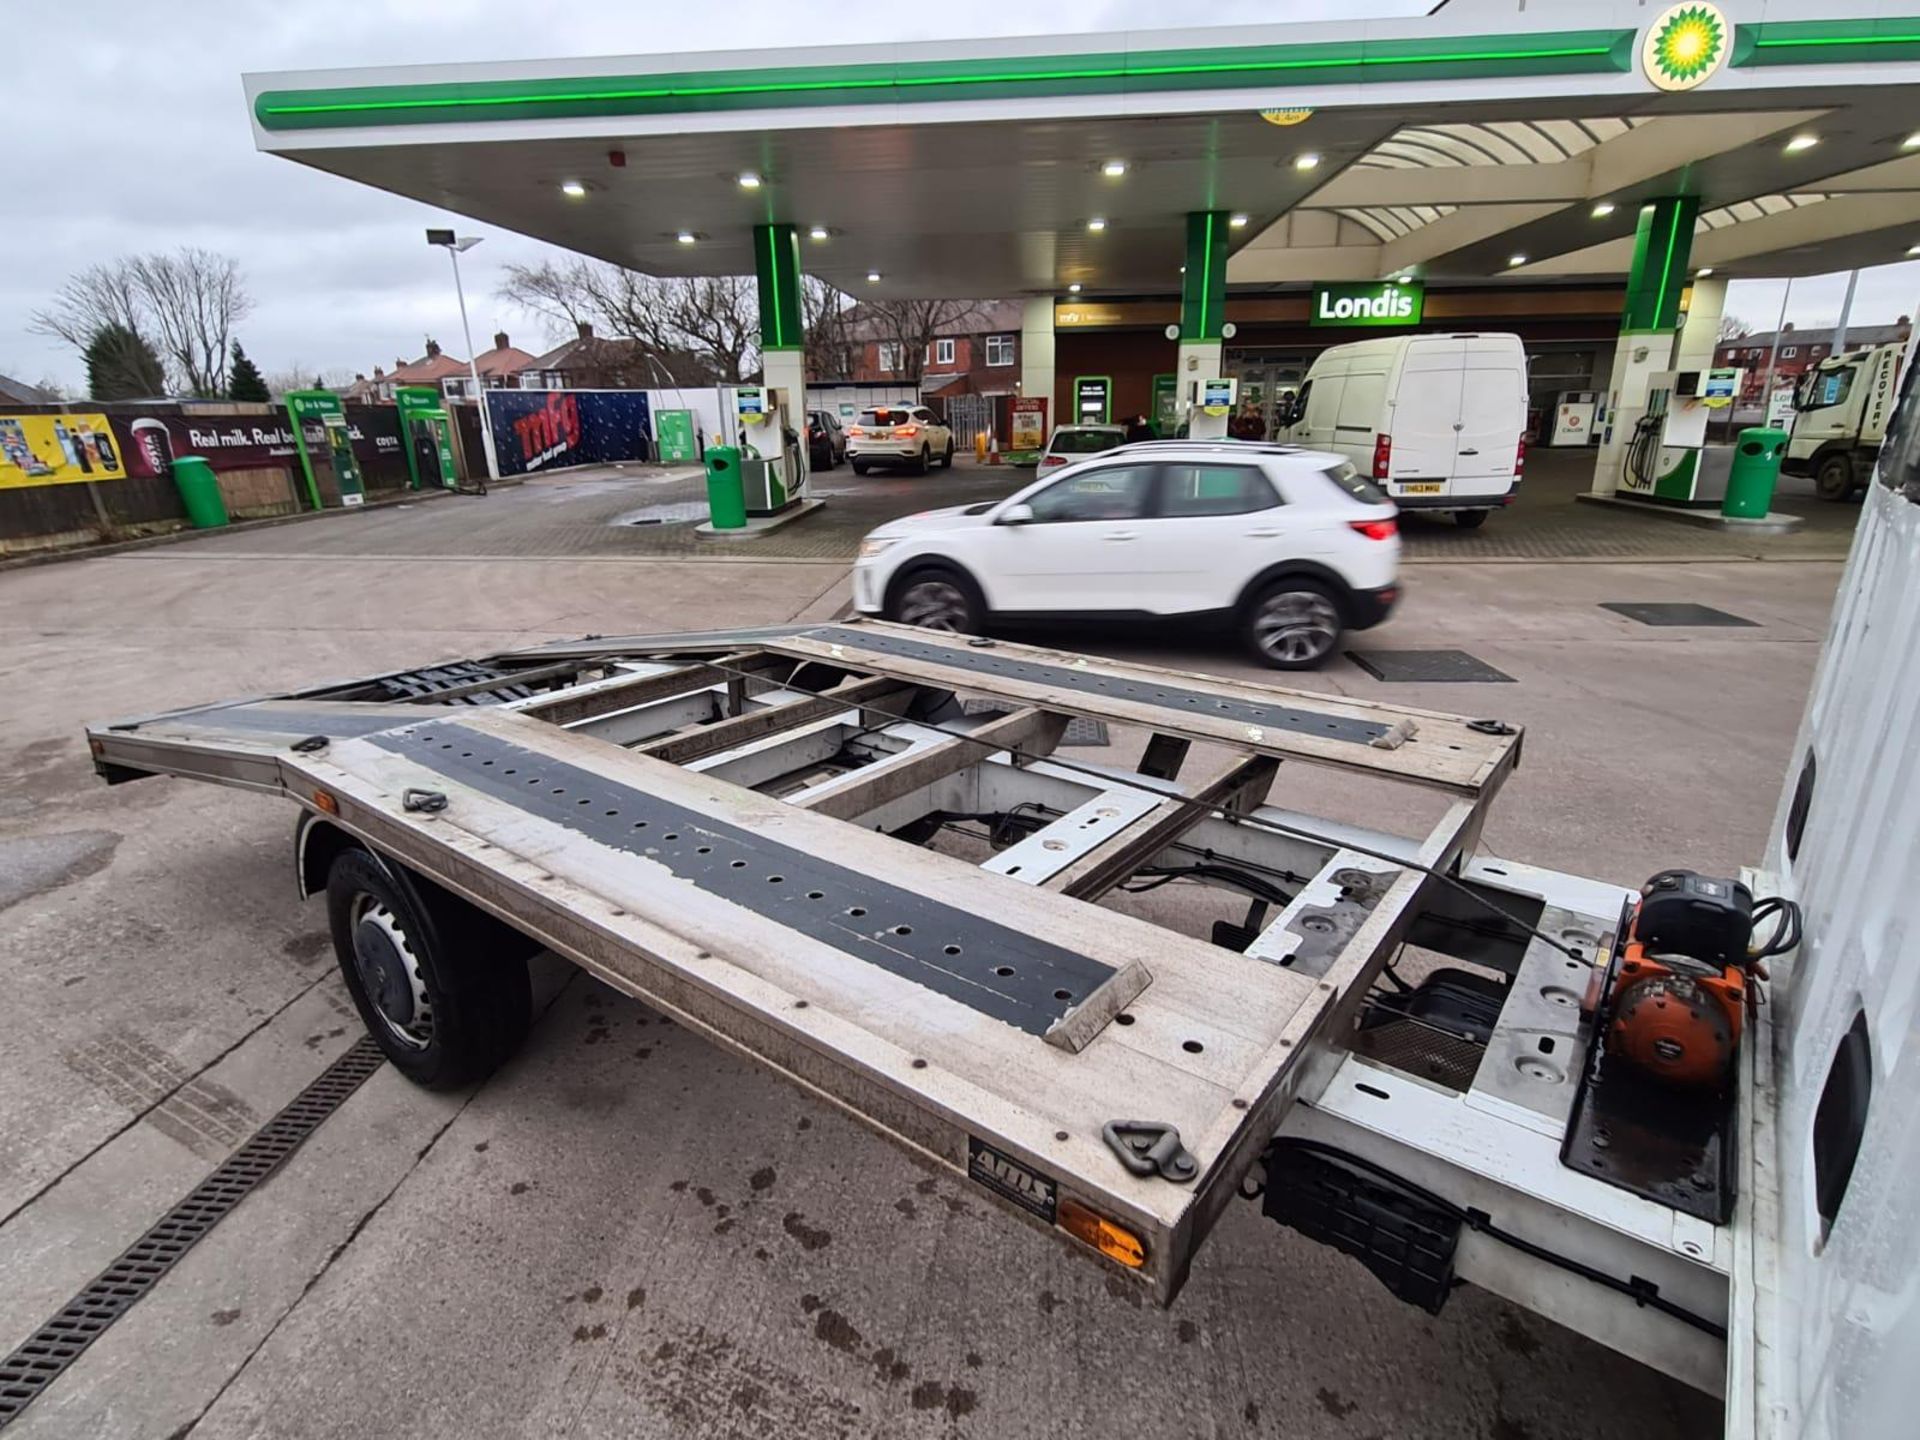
(773, 274)
(903, 81)
(1206, 274)
(1599, 49)
(1913, 39)
(1666, 271)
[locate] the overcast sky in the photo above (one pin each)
(128, 132)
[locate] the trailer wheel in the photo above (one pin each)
(1834, 479)
(440, 986)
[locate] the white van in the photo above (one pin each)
(1438, 421)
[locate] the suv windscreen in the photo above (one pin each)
(1084, 442)
(1356, 484)
(884, 417)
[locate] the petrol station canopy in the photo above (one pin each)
(1485, 140)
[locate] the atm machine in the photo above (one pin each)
(773, 454)
(1668, 459)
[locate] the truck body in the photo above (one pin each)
(853, 853)
(1841, 409)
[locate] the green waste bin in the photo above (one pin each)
(199, 492)
(726, 498)
(1757, 453)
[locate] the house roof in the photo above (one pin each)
(427, 370)
(503, 359)
(18, 392)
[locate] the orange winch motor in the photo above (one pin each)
(1681, 988)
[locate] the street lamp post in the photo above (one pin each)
(453, 246)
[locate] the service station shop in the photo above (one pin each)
(1111, 356)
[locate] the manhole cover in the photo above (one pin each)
(1442, 666)
(1651, 613)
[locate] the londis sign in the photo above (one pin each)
(1380, 302)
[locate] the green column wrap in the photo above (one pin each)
(1661, 246)
(776, 265)
(1203, 289)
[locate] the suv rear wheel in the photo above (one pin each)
(937, 599)
(1292, 624)
(926, 458)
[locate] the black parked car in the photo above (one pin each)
(826, 441)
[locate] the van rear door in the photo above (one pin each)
(1493, 415)
(1425, 417)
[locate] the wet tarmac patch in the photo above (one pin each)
(34, 864)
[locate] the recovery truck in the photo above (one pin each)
(1840, 412)
(1678, 1118)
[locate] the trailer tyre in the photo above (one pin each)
(440, 986)
(1834, 479)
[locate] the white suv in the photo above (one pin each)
(1293, 544)
(898, 435)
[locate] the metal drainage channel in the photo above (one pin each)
(992, 968)
(981, 660)
(47, 1353)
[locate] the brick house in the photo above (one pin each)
(981, 355)
(589, 362)
(1800, 351)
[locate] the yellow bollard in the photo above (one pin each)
(980, 446)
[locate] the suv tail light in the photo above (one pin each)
(855, 432)
(905, 432)
(1046, 460)
(1374, 529)
(1520, 455)
(1382, 455)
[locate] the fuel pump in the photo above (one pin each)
(1668, 458)
(773, 464)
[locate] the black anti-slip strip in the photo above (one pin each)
(990, 663)
(997, 970)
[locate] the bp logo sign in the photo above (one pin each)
(1685, 46)
(1389, 302)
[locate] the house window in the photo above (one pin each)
(887, 357)
(1789, 352)
(943, 352)
(999, 349)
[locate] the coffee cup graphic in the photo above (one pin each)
(155, 445)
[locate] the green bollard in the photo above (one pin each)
(726, 497)
(1757, 452)
(200, 492)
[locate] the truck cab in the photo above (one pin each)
(1840, 418)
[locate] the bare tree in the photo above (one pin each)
(828, 315)
(184, 304)
(1732, 327)
(194, 298)
(100, 297)
(913, 325)
(714, 317)
(301, 376)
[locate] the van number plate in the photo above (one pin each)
(1423, 487)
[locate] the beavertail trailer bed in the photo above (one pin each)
(708, 822)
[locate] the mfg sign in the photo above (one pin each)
(535, 430)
